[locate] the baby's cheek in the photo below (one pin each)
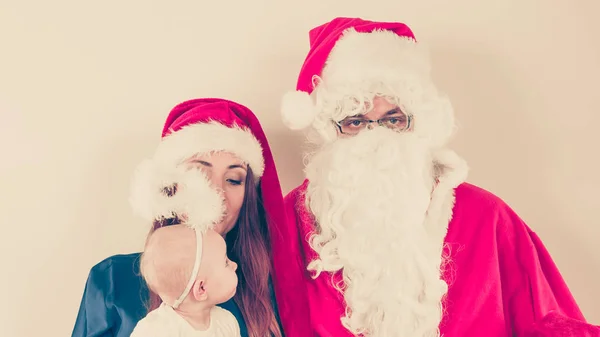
(231, 287)
(234, 281)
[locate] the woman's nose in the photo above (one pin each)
(234, 265)
(219, 187)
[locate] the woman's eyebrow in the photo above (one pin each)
(237, 166)
(207, 164)
(202, 162)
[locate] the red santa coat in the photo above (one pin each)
(502, 280)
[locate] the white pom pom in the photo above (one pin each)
(149, 184)
(161, 192)
(199, 203)
(297, 110)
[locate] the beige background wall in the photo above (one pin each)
(85, 87)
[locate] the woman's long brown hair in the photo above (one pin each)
(249, 246)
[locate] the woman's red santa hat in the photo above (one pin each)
(192, 128)
(206, 125)
(352, 58)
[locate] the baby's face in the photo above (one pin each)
(217, 269)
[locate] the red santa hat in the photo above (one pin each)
(352, 58)
(161, 188)
(206, 125)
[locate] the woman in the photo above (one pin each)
(226, 141)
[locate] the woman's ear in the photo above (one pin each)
(198, 291)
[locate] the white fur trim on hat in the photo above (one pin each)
(362, 65)
(210, 137)
(160, 192)
(381, 56)
(297, 110)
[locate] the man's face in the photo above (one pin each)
(383, 112)
(381, 108)
(369, 193)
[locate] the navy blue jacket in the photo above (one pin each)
(115, 299)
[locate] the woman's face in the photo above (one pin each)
(227, 174)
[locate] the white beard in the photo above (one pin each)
(370, 196)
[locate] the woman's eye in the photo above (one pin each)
(234, 182)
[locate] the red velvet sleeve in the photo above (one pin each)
(538, 300)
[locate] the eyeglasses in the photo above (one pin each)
(353, 125)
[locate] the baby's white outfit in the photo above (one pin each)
(165, 322)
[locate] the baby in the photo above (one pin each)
(191, 279)
(185, 264)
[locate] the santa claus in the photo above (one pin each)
(395, 242)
